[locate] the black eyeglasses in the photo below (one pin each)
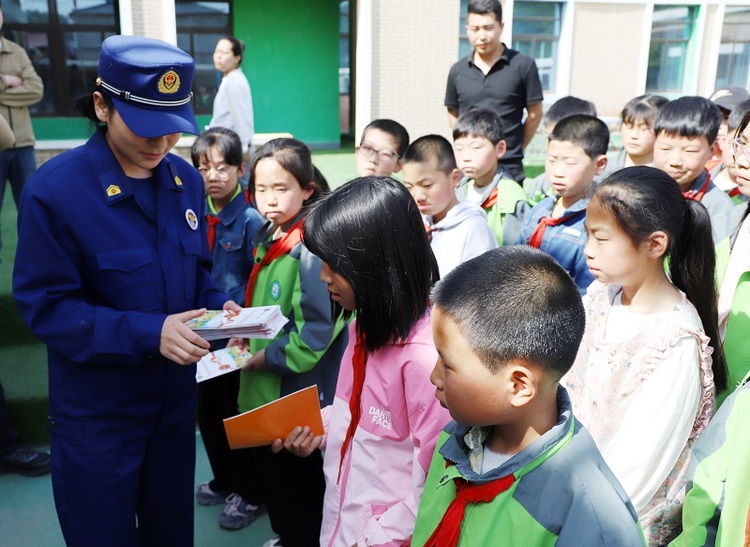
(384, 155)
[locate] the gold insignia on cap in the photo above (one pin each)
(169, 82)
(178, 181)
(98, 81)
(113, 190)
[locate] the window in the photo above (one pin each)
(536, 31)
(671, 31)
(200, 25)
(734, 52)
(62, 38)
(344, 45)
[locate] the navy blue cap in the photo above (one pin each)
(150, 83)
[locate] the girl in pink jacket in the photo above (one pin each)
(383, 424)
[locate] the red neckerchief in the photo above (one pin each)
(448, 530)
(359, 362)
(212, 220)
(279, 248)
(698, 196)
(491, 199)
(538, 235)
(428, 229)
(734, 192)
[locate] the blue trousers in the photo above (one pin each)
(16, 166)
(136, 492)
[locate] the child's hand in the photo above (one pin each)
(256, 362)
(232, 306)
(237, 342)
(300, 442)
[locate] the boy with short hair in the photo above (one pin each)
(515, 467)
(479, 143)
(576, 154)
(382, 146)
(457, 231)
(539, 187)
(725, 176)
(686, 131)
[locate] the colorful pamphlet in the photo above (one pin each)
(220, 362)
(275, 420)
(260, 322)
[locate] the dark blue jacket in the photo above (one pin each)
(95, 279)
(233, 247)
(564, 242)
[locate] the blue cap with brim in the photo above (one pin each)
(150, 83)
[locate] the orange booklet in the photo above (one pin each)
(275, 420)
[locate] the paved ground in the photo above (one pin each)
(28, 518)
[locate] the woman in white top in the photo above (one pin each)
(233, 104)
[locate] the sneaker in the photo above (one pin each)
(23, 461)
(275, 542)
(206, 496)
(237, 514)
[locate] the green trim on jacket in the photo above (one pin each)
(718, 498)
(292, 281)
(506, 216)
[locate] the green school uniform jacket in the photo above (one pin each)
(308, 350)
(506, 216)
(717, 503)
(563, 493)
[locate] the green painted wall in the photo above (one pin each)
(61, 128)
(291, 60)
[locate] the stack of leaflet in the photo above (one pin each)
(260, 322)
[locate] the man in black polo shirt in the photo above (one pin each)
(498, 78)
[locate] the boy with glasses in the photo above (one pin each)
(381, 148)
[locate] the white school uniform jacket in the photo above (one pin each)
(462, 235)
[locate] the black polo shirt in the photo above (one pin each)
(511, 84)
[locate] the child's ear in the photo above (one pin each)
(398, 167)
(308, 192)
(601, 164)
(525, 384)
(455, 177)
(658, 243)
(241, 169)
(716, 149)
(501, 148)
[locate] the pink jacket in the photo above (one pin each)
(376, 500)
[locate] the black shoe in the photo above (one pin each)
(29, 463)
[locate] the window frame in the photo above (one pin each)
(665, 44)
(203, 105)
(57, 84)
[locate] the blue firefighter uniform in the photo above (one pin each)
(95, 277)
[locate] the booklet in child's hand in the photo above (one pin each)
(275, 420)
(220, 362)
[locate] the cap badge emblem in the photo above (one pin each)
(169, 82)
